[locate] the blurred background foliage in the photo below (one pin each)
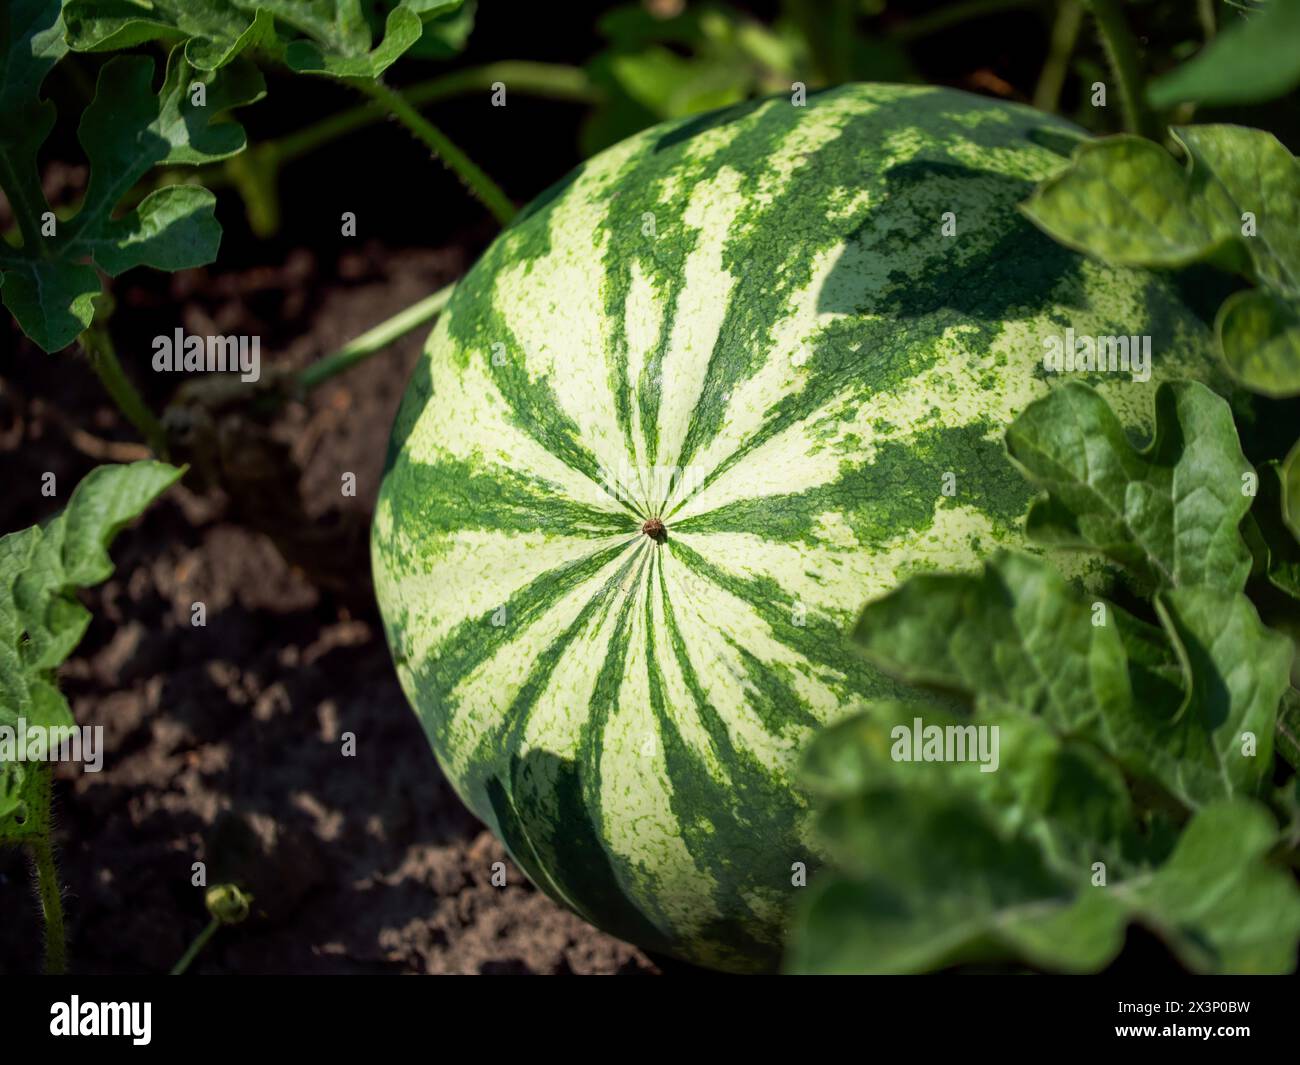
(581, 77)
(668, 58)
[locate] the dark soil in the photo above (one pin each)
(224, 742)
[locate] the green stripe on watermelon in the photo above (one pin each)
(764, 296)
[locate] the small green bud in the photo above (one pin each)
(227, 903)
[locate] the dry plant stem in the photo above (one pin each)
(1065, 33)
(200, 941)
(1121, 50)
(98, 346)
(428, 134)
(47, 872)
(375, 339)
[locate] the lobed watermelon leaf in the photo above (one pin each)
(1237, 205)
(1235, 672)
(1079, 795)
(49, 283)
(1169, 514)
(214, 31)
(1126, 200)
(334, 37)
(941, 864)
(1174, 709)
(41, 619)
(338, 38)
(1011, 638)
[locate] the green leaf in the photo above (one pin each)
(1258, 175)
(342, 49)
(447, 27)
(1124, 199)
(1236, 671)
(702, 58)
(41, 619)
(944, 887)
(214, 31)
(51, 301)
(1237, 206)
(1217, 901)
(31, 42)
(1250, 61)
(49, 284)
(673, 87)
(171, 229)
(1169, 514)
(1015, 639)
(322, 36)
(938, 864)
(939, 857)
(1260, 338)
(1011, 638)
(1032, 774)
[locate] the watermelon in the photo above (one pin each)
(705, 397)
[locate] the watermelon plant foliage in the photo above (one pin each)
(942, 864)
(1139, 780)
(338, 38)
(133, 215)
(41, 623)
(48, 273)
(1235, 205)
(1168, 514)
(1139, 758)
(49, 282)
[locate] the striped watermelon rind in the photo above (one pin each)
(763, 299)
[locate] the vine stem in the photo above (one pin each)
(375, 339)
(1121, 50)
(192, 952)
(1065, 33)
(474, 179)
(253, 171)
(47, 873)
(98, 346)
(549, 80)
(1205, 11)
